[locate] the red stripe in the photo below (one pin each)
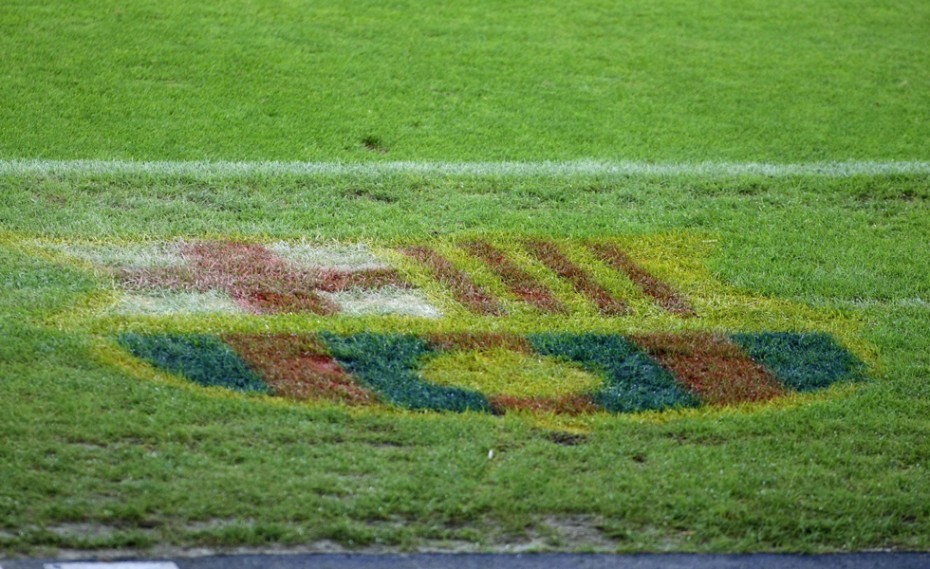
(522, 284)
(712, 367)
(253, 275)
(663, 293)
(462, 287)
(298, 367)
(550, 255)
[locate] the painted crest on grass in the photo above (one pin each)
(484, 324)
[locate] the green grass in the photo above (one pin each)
(770, 80)
(154, 461)
(98, 452)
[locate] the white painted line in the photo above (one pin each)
(340, 257)
(386, 300)
(114, 565)
(553, 169)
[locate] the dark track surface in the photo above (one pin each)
(524, 561)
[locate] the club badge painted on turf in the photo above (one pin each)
(482, 324)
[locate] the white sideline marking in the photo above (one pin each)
(554, 169)
(116, 565)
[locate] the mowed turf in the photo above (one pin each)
(761, 80)
(98, 450)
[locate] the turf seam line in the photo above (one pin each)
(557, 169)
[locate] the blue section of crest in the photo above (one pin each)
(802, 361)
(633, 380)
(201, 358)
(388, 364)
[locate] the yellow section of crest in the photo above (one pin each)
(499, 371)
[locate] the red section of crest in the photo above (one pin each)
(298, 367)
(549, 254)
(462, 287)
(568, 405)
(258, 279)
(253, 275)
(713, 367)
(663, 293)
(338, 281)
(522, 284)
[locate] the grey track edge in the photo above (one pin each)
(871, 560)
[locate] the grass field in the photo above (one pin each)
(407, 111)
